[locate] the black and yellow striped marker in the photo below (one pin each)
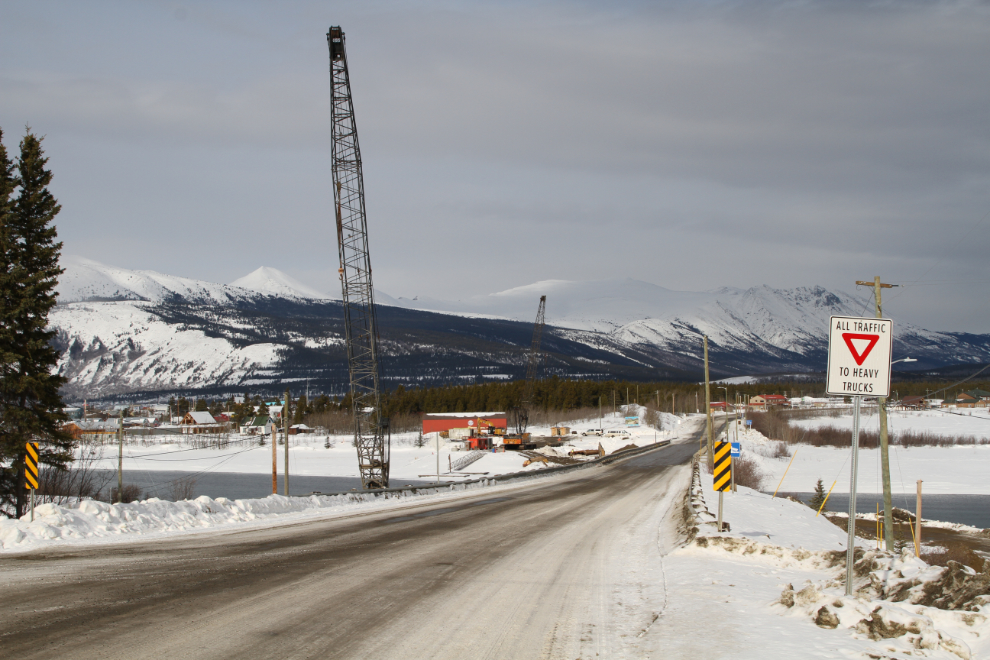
(723, 466)
(31, 466)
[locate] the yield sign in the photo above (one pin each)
(865, 343)
(859, 356)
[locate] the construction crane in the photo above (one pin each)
(371, 430)
(519, 416)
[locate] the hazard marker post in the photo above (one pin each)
(722, 471)
(859, 351)
(31, 471)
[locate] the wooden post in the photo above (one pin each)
(917, 524)
(708, 410)
(120, 458)
(285, 432)
(274, 461)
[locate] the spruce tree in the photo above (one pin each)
(30, 404)
(818, 499)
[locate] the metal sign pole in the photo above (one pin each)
(851, 542)
(720, 494)
(32, 504)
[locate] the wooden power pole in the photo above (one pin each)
(708, 410)
(285, 435)
(888, 518)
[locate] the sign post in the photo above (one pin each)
(859, 351)
(31, 471)
(722, 474)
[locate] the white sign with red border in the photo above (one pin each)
(859, 352)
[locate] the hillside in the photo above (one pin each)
(130, 332)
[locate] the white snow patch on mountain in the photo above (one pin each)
(88, 280)
(273, 282)
(120, 346)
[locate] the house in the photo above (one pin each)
(775, 399)
(260, 425)
(915, 401)
(199, 421)
(757, 402)
(972, 399)
(299, 428)
(91, 428)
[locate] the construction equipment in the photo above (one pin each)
(519, 415)
(371, 430)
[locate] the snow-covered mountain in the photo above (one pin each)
(273, 282)
(132, 331)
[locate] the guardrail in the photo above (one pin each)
(511, 476)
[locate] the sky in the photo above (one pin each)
(691, 145)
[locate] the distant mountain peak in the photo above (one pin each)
(273, 282)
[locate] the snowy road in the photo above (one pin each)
(568, 567)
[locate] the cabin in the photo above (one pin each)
(259, 425)
(92, 428)
(199, 421)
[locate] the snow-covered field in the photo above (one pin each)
(308, 455)
(949, 422)
(956, 470)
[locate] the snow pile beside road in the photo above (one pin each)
(775, 585)
(89, 520)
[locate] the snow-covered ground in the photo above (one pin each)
(757, 591)
(956, 470)
(948, 422)
(308, 455)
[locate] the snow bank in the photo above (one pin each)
(901, 606)
(91, 521)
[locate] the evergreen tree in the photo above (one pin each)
(30, 404)
(818, 499)
(201, 405)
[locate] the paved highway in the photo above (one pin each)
(562, 567)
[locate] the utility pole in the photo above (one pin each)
(600, 427)
(708, 410)
(274, 461)
(917, 523)
(120, 458)
(888, 518)
(285, 434)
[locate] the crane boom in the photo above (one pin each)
(371, 431)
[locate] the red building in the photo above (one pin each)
(479, 422)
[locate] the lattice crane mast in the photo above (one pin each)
(371, 431)
(520, 414)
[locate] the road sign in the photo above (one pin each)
(749, 422)
(723, 466)
(736, 450)
(31, 466)
(859, 356)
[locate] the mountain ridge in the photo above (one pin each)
(121, 331)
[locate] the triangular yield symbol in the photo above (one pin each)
(860, 356)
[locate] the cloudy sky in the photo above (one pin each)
(687, 144)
